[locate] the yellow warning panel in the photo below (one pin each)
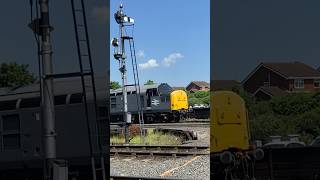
(179, 100)
(229, 122)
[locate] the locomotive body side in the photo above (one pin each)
(158, 103)
(20, 121)
(229, 123)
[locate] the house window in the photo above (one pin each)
(316, 83)
(299, 83)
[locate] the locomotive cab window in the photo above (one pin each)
(10, 132)
(76, 98)
(59, 100)
(119, 94)
(30, 102)
(10, 122)
(152, 92)
(11, 141)
(113, 102)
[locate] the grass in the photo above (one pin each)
(152, 138)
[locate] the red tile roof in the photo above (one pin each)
(200, 83)
(224, 84)
(293, 69)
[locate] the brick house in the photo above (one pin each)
(224, 84)
(198, 86)
(272, 78)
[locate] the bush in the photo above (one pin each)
(297, 113)
(293, 104)
(199, 97)
(201, 94)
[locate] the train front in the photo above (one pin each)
(231, 153)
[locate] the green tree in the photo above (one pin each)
(13, 74)
(193, 101)
(114, 85)
(149, 82)
(201, 94)
(199, 97)
(296, 113)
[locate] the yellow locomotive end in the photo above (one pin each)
(229, 123)
(179, 100)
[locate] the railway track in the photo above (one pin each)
(140, 178)
(189, 124)
(164, 151)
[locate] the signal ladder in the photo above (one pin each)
(86, 69)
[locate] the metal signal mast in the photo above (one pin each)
(41, 27)
(120, 55)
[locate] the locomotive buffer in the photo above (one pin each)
(119, 54)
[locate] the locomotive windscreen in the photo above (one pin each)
(164, 88)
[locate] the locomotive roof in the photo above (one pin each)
(61, 87)
(162, 88)
(143, 88)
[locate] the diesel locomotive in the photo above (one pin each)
(21, 124)
(159, 103)
(231, 153)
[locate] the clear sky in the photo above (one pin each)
(172, 40)
(247, 32)
(17, 43)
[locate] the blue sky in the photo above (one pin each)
(172, 40)
(249, 32)
(18, 43)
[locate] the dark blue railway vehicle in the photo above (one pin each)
(159, 103)
(20, 125)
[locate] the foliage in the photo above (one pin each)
(149, 82)
(198, 97)
(152, 138)
(157, 138)
(13, 74)
(115, 85)
(295, 103)
(296, 113)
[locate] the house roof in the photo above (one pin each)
(288, 70)
(224, 84)
(199, 83)
(293, 69)
(271, 91)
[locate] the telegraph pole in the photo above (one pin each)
(48, 118)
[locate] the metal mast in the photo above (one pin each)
(48, 121)
(123, 71)
(120, 55)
